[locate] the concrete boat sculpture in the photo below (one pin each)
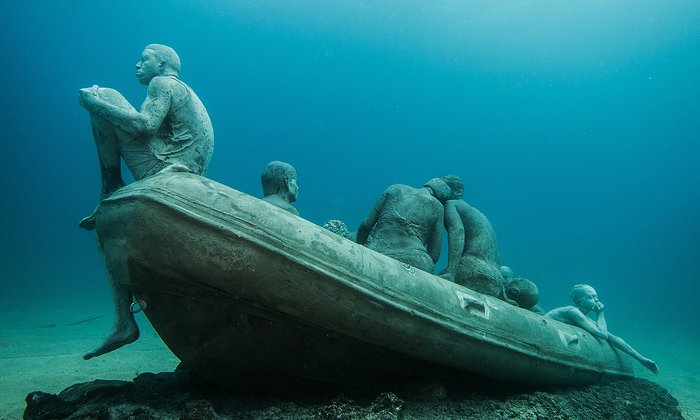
(241, 290)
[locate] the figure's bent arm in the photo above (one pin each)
(369, 222)
(601, 323)
(157, 104)
(148, 120)
(455, 237)
(435, 240)
(579, 319)
(622, 345)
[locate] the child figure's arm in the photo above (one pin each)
(578, 318)
(601, 324)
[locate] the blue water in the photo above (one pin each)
(575, 126)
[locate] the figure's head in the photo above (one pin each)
(280, 178)
(585, 297)
(439, 189)
(157, 60)
(523, 291)
(506, 272)
(456, 186)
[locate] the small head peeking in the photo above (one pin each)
(279, 184)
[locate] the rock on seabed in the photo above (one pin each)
(182, 395)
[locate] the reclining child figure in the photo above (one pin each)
(586, 300)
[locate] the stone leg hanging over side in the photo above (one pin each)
(125, 330)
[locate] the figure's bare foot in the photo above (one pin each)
(118, 337)
(651, 365)
(88, 222)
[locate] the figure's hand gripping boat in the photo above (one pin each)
(240, 290)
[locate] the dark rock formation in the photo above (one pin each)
(181, 395)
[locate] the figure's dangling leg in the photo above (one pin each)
(124, 330)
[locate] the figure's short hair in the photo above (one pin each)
(273, 176)
(455, 184)
(580, 290)
(167, 54)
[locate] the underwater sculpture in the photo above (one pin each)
(242, 292)
(406, 224)
(473, 259)
(279, 184)
(586, 300)
(521, 291)
(171, 132)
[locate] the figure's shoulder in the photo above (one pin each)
(163, 82)
(465, 207)
(457, 204)
(569, 308)
(459, 208)
(437, 205)
(160, 80)
(561, 313)
(396, 188)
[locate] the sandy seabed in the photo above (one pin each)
(41, 349)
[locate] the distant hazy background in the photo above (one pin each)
(575, 126)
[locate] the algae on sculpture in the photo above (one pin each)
(171, 132)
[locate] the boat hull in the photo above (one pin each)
(241, 290)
